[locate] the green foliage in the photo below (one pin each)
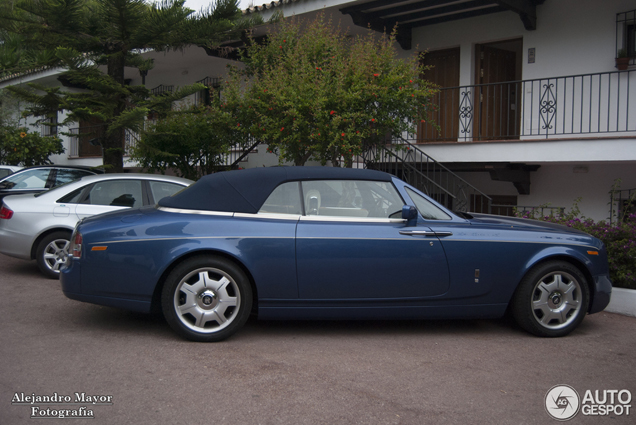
(81, 35)
(19, 147)
(619, 239)
(193, 141)
(311, 91)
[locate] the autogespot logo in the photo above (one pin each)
(562, 402)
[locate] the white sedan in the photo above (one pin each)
(39, 226)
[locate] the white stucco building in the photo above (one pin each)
(532, 108)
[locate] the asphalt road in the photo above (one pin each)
(421, 372)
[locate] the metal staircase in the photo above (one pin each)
(408, 162)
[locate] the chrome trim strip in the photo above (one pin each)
(351, 219)
(274, 216)
(335, 238)
(201, 212)
(193, 237)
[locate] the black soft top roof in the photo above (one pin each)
(245, 191)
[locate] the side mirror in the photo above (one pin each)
(409, 212)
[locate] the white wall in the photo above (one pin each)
(572, 37)
(558, 185)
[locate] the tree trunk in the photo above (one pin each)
(113, 144)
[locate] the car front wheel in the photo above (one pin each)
(551, 300)
(51, 253)
(206, 299)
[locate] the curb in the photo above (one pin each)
(623, 301)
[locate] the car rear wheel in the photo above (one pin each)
(52, 252)
(206, 299)
(551, 300)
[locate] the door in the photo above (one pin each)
(443, 72)
(349, 246)
(91, 133)
(497, 94)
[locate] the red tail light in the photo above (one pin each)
(76, 245)
(5, 213)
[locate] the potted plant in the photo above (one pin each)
(622, 60)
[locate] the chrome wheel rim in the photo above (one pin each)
(556, 300)
(55, 254)
(207, 300)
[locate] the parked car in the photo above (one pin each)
(330, 243)
(5, 170)
(39, 226)
(41, 177)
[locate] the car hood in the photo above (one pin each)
(520, 223)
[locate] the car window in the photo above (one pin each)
(71, 198)
(162, 189)
(29, 179)
(65, 175)
(351, 198)
(5, 172)
(427, 209)
(118, 193)
(285, 199)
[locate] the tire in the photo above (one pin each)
(551, 300)
(52, 252)
(206, 299)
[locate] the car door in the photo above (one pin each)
(351, 243)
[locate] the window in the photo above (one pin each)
(162, 189)
(66, 175)
(427, 209)
(48, 126)
(626, 34)
(285, 199)
(30, 179)
(118, 193)
(351, 198)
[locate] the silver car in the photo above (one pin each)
(39, 226)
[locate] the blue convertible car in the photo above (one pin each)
(330, 243)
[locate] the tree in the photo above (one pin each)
(82, 35)
(311, 91)
(193, 141)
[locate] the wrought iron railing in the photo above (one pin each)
(161, 89)
(238, 153)
(577, 105)
(527, 211)
(203, 97)
(622, 204)
(86, 141)
(406, 161)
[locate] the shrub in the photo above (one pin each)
(19, 147)
(619, 239)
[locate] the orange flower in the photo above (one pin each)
(23, 134)
(332, 112)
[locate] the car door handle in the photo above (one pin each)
(424, 233)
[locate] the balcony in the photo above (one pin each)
(577, 106)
